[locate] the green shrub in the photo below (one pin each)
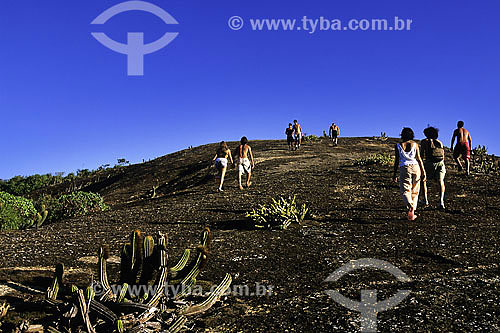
(22, 186)
(279, 214)
(375, 159)
(16, 212)
(311, 138)
(72, 205)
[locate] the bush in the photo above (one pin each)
(279, 214)
(16, 212)
(311, 138)
(22, 186)
(72, 205)
(375, 159)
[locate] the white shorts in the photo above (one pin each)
(221, 163)
(244, 166)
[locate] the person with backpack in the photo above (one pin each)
(433, 154)
(411, 170)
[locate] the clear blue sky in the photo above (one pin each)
(66, 101)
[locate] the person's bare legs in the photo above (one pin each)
(459, 164)
(222, 175)
(248, 179)
(442, 189)
(467, 164)
(426, 202)
(239, 180)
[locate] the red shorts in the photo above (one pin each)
(462, 149)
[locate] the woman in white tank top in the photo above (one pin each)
(411, 170)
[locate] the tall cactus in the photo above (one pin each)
(148, 262)
(102, 256)
(53, 290)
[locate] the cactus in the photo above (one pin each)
(110, 313)
(211, 299)
(84, 310)
(162, 278)
(102, 256)
(41, 217)
(123, 292)
(182, 261)
(177, 325)
(148, 262)
(53, 290)
(3, 310)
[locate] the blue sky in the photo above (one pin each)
(67, 103)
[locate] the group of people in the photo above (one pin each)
(294, 135)
(244, 160)
(414, 170)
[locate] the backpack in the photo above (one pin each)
(436, 153)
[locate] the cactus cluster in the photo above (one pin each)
(143, 263)
(482, 162)
(279, 214)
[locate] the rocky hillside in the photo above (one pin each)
(452, 257)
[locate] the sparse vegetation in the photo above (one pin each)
(311, 138)
(279, 214)
(375, 159)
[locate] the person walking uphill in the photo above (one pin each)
(463, 147)
(433, 153)
(297, 130)
(334, 133)
(411, 170)
(245, 164)
(289, 136)
(220, 159)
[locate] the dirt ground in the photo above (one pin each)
(452, 256)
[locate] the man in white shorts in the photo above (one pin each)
(245, 161)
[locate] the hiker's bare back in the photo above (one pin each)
(462, 135)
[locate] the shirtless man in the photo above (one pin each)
(245, 165)
(334, 133)
(463, 147)
(298, 134)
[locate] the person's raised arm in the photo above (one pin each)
(421, 165)
(396, 164)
